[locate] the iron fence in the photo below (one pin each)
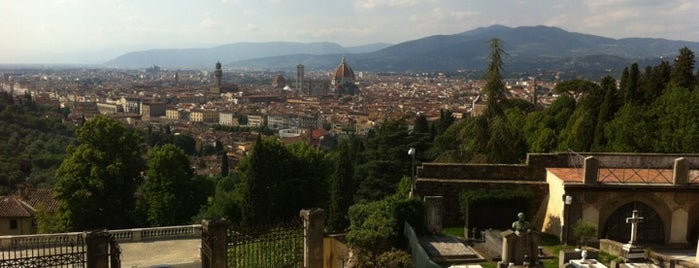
(57, 250)
(275, 245)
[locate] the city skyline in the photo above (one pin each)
(89, 32)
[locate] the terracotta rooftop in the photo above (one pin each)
(37, 197)
(24, 205)
(11, 207)
(622, 175)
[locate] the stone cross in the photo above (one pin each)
(634, 220)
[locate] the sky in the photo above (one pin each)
(94, 31)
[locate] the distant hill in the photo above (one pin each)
(530, 48)
(206, 57)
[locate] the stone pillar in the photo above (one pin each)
(434, 207)
(678, 227)
(97, 249)
(214, 236)
(590, 170)
(313, 225)
(680, 171)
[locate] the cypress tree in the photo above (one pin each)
(683, 69)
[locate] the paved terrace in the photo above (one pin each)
(177, 246)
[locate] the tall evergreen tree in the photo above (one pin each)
(579, 132)
(655, 81)
(495, 87)
(386, 160)
(606, 112)
(632, 92)
(683, 69)
(224, 165)
(421, 125)
(623, 85)
(256, 195)
(341, 189)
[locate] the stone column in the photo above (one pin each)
(97, 249)
(680, 171)
(590, 170)
(214, 239)
(313, 225)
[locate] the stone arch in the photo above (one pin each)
(613, 201)
(650, 231)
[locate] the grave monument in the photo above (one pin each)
(631, 251)
(520, 246)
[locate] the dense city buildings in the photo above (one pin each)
(320, 103)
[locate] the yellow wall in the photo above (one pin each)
(553, 222)
(335, 253)
(24, 226)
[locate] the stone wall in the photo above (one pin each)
(451, 189)
(449, 180)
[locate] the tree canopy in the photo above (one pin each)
(98, 179)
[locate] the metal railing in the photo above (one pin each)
(48, 250)
(275, 245)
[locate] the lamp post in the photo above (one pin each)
(411, 152)
(568, 200)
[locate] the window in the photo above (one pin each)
(13, 224)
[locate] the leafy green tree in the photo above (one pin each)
(276, 181)
(376, 227)
(579, 132)
(386, 160)
(226, 201)
(677, 124)
(47, 222)
(168, 190)
(98, 179)
(307, 186)
(541, 129)
(623, 131)
(186, 143)
(683, 69)
(584, 231)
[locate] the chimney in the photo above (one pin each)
(590, 170)
(680, 171)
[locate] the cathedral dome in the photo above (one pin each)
(343, 73)
(279, 81)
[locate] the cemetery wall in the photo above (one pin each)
(451, 189)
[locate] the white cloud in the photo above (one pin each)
(375, 4)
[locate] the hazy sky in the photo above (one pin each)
(79, 31)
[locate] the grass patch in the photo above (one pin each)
(550, 263)
(454, 231)
(489, 264)
(607, 258)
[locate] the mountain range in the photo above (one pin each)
(529, 48)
